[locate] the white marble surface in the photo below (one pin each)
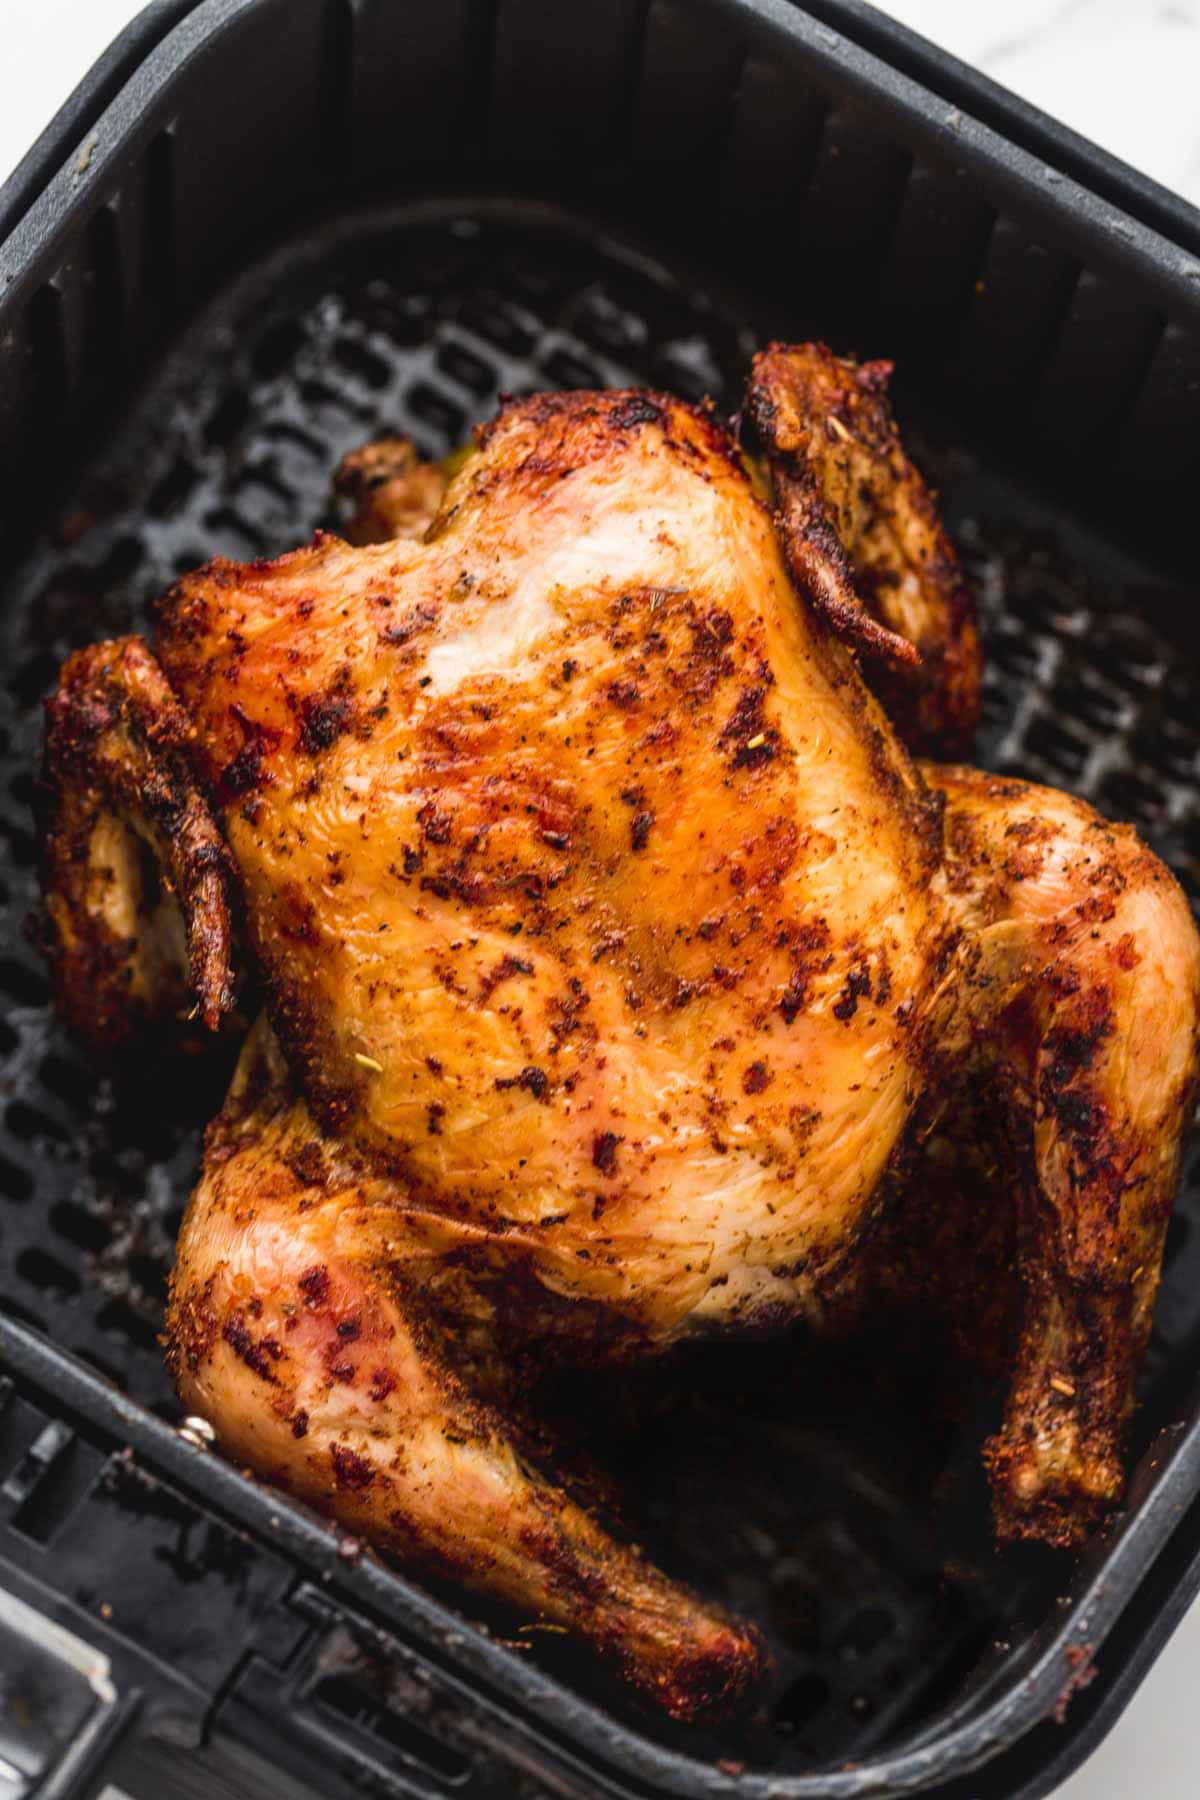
(1123, 72)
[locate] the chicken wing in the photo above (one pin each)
(864, 541)
(136, 875)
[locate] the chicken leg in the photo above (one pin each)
(1079, 980)
(314, 1317)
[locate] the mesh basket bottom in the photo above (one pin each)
(852, 1526)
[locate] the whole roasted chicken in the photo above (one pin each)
(617, 962)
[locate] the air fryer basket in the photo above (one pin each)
(693, 177)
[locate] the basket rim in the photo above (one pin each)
(50, 196)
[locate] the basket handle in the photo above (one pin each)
(355, 1714)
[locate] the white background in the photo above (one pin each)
(1124, 72)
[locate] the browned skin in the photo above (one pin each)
(394, 493)
(864, 540)
(1068, 1019)
(618, 959)
(121, 805)
(325, 1324)
(1082, 978)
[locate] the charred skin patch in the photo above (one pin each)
(857, 986)
(794, 997)
(1069, 1050)
(383, 1382)
(504, 970)
(639, 831)
(604, 1152)
(350, 1470)
(535, 1081)
(747, 737)
(259, 1355)
(1069, 1091)
(1029, 839)
(756, 1078)
(314, 1285)
(308, 1166)
(637, 409)
(326, 716)
(414, 624)
(809, 947)
(244, 773)
(624, 694)
(437, 824)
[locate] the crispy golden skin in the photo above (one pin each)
(864, 540)
(461, 783)
(618, 959)
(1083, 969)
(328, 1342)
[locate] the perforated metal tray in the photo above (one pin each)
(907, 1651)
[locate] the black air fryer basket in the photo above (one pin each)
(262, 232)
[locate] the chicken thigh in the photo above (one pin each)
(617, 960)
